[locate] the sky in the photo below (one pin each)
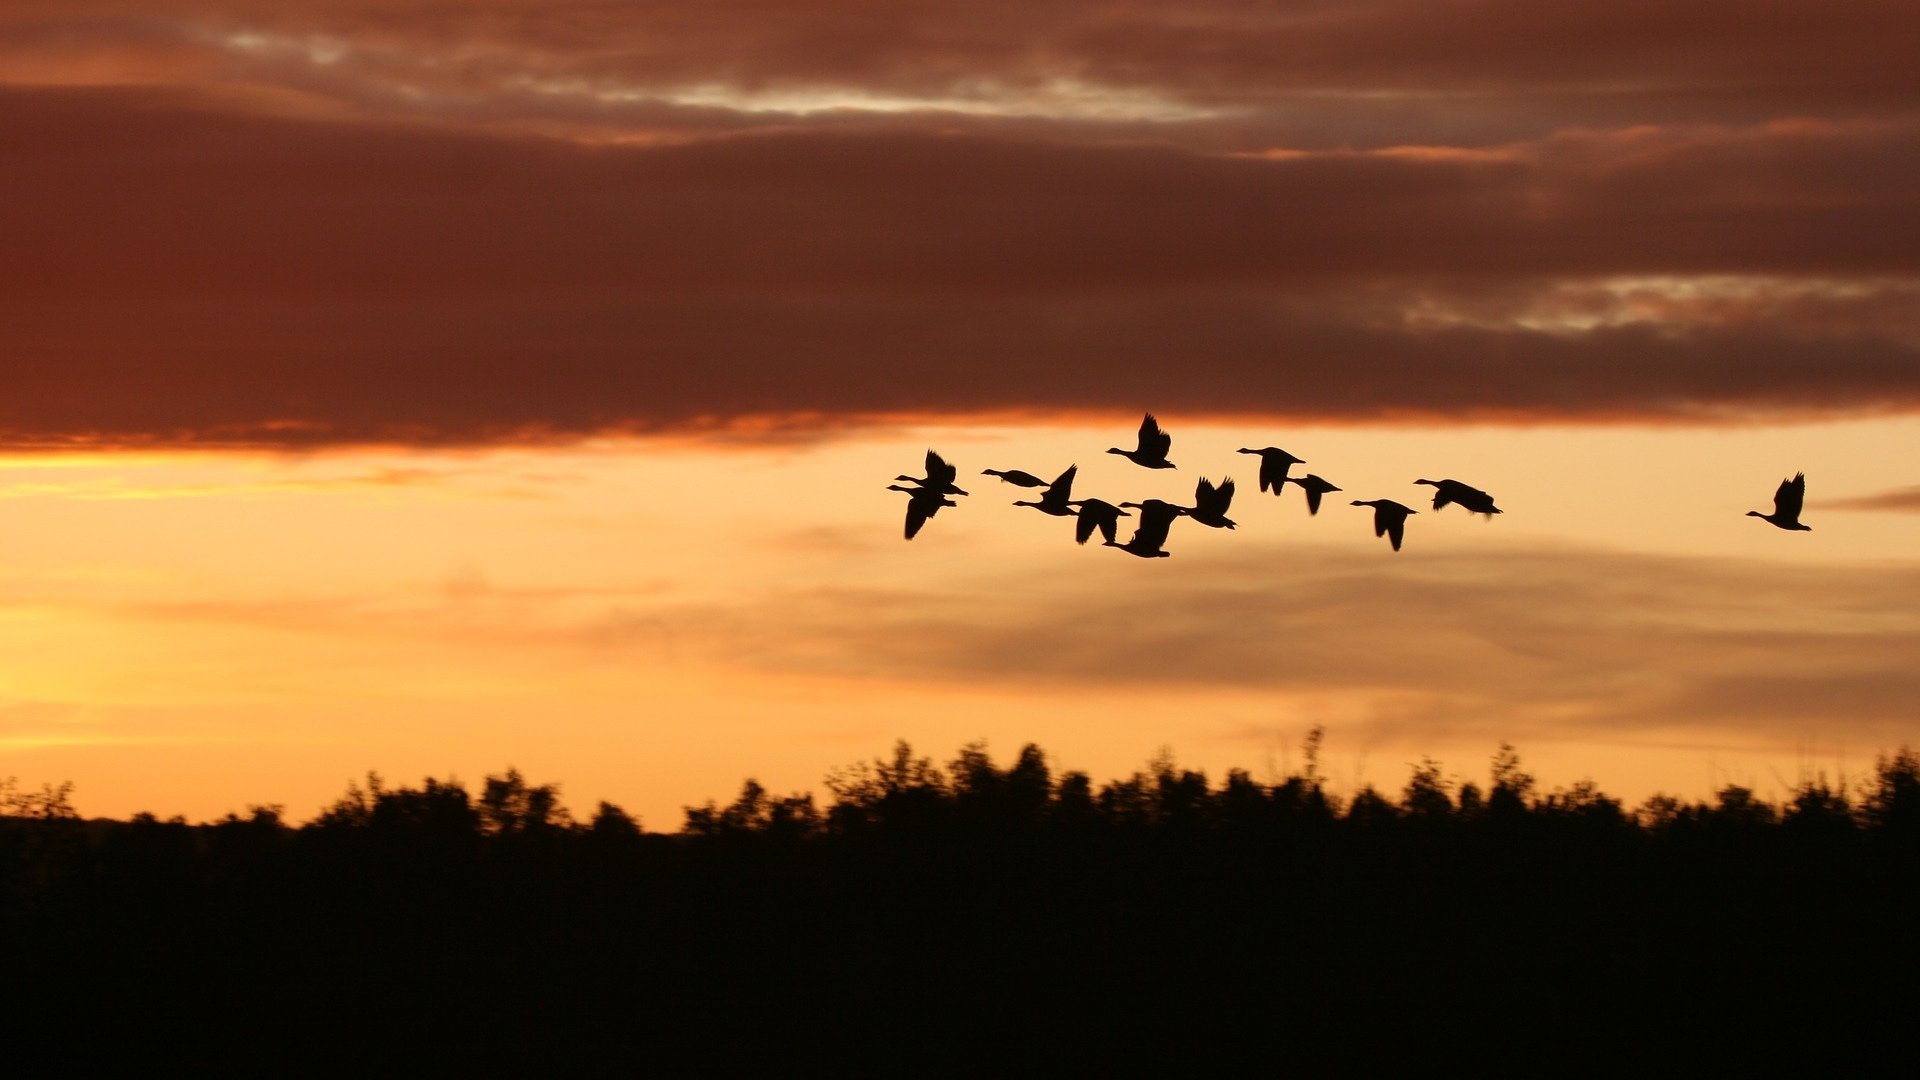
(438, 387)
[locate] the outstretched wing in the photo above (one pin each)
(1062, 485)
(1787, 501)
(1083, 528)
(1224, 493)
(939, 473)
(1313, 497)
(1273, 473)
(918, 511)
(1396, 526)
(1153, 441)
(1156, 518)
(1212, 501)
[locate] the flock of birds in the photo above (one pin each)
(930, 493)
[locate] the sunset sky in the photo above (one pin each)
(433, 387)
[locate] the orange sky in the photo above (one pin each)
(434, 387)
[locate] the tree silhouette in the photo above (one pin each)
(918, 891)
(510, 806)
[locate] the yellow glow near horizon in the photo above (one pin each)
(651, 622)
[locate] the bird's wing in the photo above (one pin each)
(1152, 440)
(1156, 520)
(1442, 495)
(1396, 526)
(1062, 486)
(1084, 527)
(1212, 500)
(918, 511)
(1792, 493)
(1276, 466)
(1313, 498)
(939, 473)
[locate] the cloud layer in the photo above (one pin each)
(236, 222)
(1559, 644)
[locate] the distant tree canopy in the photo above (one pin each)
(904, 791)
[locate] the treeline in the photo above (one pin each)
(907, 793)
(919, 889)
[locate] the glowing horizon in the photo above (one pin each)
(651, 623)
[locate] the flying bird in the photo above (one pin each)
(1015, 477)
(1274, 463)
(1314, 487)
(1389, 518)
(1786, 505)
(922, 504)
(1156, 517)
(1453, 491)
(939, 476)
(1152, 451)
(1210, 504)
(1055, 500)
(1097, 514)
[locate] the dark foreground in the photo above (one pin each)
(975, 919)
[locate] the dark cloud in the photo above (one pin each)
(241, 222)
(179, 272)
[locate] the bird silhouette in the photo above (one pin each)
(1055, 500)
(1453, 491)
(1786, 505)
(1274, 463)
(1097, 514)
(1210, 504)
(1015, 477)
(1156, 518)
(1152, 451)
(922, 504)
(1389, 518)
(939, 476)
(1314, 487)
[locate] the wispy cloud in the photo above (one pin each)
(1578, 644)
(1900, 501)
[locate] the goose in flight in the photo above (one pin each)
(1453, 491)
(1097, 514)
(1152, 451)
(939, 476)
(1274, 463)
(1156, 518)
(1389, 518)
(922, 504)
(1314, 487)
(1210, 504)
(1055, 500)
(1015, 477)
(1786, 505)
